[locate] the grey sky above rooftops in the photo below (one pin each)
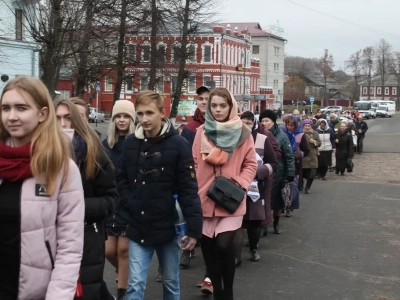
(310, 26)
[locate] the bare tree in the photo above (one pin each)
(355, 65)
(325, 65)
(49, 23)
(367, 62)
(395, 70)
(383, 52)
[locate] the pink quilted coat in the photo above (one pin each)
(51, 229)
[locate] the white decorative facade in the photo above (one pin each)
(18, 52)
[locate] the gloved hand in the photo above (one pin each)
(290, 178)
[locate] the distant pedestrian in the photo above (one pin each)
(327, 137)
(362, 128)
(310, 162)
(344, 148)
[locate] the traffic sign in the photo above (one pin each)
(311, 99)
(97, 87)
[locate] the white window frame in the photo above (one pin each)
(203, 52)
(108, 84)
(178, 45)
(365, 90)
(131, 57)
(191, 84)
(394, 91)
(126, 85)
(145, 44)
(379, 91)
(371, 90)
(143, 76)
(161, 44)
(205, 76)
(188, 60)
(257, 47)
(387, 91)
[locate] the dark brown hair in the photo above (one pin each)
(222, 92)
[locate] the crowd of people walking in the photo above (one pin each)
(147, 188)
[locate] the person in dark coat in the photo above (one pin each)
(100, 193)
(122, 124)
(189, 131)
(344, 148)
(156, 164)
(310, 162)
(299, 146)
(286, 167)
(258, 210)
(362, 128)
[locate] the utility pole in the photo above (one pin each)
(369, 78)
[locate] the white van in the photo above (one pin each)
(387, 107)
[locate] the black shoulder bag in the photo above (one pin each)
(227, 193)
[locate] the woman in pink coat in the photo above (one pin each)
(42, 205)
(222, 146)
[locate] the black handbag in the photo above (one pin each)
(227, 193)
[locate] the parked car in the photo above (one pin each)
(96, 115)
(330, 109)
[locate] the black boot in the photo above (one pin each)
(228, 294)
(121, 294)
(219, 295)
(276, 225)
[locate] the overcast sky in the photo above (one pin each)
(309, 32)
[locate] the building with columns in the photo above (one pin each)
(221, 56)
(270, 50)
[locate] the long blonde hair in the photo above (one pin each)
(94, 146)
(50, 151)
(113, 132)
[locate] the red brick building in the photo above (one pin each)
(219, 57)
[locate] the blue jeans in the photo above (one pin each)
(139, 263)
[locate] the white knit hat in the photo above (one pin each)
(123, 107)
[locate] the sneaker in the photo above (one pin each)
(207, 287)
(159, 277)
(254, 256)
(185, 259)
(289, 213)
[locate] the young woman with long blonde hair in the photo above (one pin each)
(122, 124)
(41, 198)
(97, 175)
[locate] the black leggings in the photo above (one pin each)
(322, 171)
(253, 232)
(219, 255)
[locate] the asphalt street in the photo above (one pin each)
(343, 243)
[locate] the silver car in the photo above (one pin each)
(96, 116)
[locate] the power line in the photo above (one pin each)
(347, 21)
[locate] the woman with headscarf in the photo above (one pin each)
(344, 148)
(327, 137)
(299, 147)
(310, 162)
(286, 168)
(258, 199)
(222, 147)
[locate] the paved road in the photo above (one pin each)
(343, 243)
(383, 135)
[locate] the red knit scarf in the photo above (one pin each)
(15, 162)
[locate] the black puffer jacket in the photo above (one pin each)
(114, 153)
(100, 198)
(152, 170)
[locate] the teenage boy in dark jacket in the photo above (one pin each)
(156, 163)
(189, 131)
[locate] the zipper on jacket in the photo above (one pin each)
(94, 226)
(113, 225)
(50, 254)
